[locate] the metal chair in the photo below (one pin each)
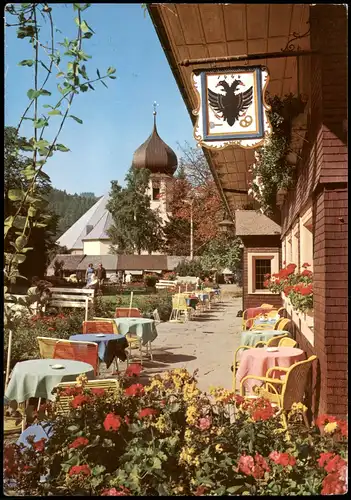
(125, 312)
(283, 393)
(63, 403)
(99, 326)
(282, 324)
(87, 352)
(273, 342)
(47, 347)
(180, 309)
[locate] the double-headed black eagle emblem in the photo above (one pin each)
(230, 104)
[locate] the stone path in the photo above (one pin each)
(206, 343)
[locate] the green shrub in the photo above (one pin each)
(186, 268)
(150, 281)
(26, 330)
(161, 301)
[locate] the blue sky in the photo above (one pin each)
(115, 120)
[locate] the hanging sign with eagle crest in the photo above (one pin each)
(231, 108)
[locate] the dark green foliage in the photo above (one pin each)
(150, 280)
(135, 226)
(189, 268)
(162, 301)
(69, 207)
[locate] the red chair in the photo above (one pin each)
(99, 327)
(251, 314)
(87, 352)
(125, 312)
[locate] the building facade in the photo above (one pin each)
(313, 215)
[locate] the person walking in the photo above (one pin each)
(101, 275)
(88, 273)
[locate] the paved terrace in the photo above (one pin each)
(207, 342)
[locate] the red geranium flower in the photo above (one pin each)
(333, 485)
(204, 423)
(113, 492)
(51, 329)
(134, 390)
(343, 427)
(98, 391)
(245, 464)
(133, 370)
(335, 464)
(305, 264)
(201, 490)
(72, 391)
(306, 272)
(79, 400)
(80, 441)
(324, 419)
(80, 469)
(39, 445)
(112, 422)
(283, 459)
(147, 412)
(324, 458)
(127, 420)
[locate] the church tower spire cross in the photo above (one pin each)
(155, 112)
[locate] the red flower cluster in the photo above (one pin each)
(39, 445)
(283, 459)
(287, 289)
(201, 490)
(134, 390)
(303, 289)
(305, 265)
(133, 370)
(79, 400)
(253, 466)
(204, 423)
(147, 412)
(80, 469)
(98, 392)
(306, 272)
(80, 441)
(262, 410)
(335, 482)
(72, 391)
(10, 464)
(324, 419)
(113, 492)
(112, 422)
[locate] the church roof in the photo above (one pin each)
(97, 217)
(155, 155)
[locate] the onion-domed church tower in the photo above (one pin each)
(161, 161)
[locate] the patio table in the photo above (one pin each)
(191, 301)
(144, 328)
(100, 341)
(36, 378)
(257, 361)
(251, 337)
(264, 321)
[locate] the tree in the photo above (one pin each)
(222, 253)
(135, 226)
(193, 181)
(48, 56)
(40, 239)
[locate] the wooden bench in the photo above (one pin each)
(165, 284)
(72, 297)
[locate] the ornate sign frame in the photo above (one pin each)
(244, 123)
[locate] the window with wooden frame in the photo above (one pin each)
(260, 264)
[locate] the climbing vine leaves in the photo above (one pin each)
(61, 62)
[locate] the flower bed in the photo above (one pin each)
(168, 438)
(298, 287)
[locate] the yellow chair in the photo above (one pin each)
(283, 393)
(268, 306)
(14, 418)
(179, 309)
(47, 347)
(109, 385)
(273, 342)
(287, 342)
(282, 324)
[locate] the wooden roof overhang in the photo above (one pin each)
(198, 31)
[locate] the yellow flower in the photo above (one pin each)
(298, 408)
(161, 424)
(188, 435)
(220, 431)
(154, 384)
(330, 427)
(190, 391)
(186, 455)
(218, 448)
(191, 413)
(81, 380)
